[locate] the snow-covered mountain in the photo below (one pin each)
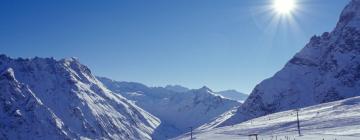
(230, 94)
(327, 69)
(334, 120)
(178, 111)
(233, 94)
(42, 98)
(177, 88)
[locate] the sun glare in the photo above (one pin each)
(279, 18)
(284, 6)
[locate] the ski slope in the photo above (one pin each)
(335, 120)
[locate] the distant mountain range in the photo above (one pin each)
(230, 94)
(177, 88)
(177, 107)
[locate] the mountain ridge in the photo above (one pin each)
(178, 111)
(326, 69)
(61, 99)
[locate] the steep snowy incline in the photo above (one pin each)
(327, 69)
(335, 120)
(42, 98)
(178, 111)
(20, 108)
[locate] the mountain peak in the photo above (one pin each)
(230, 90)
(71, 97)
(206, 89)
(177, 88)
(3, 56)
(8, 74)
(71, 59)
(325, 70)
(350, 16)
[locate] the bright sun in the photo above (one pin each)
(284, 6)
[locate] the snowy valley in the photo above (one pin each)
(315, 96)
(179, 109)
(326, 70)
(44, 98)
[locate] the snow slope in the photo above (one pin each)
(327, 69)
(335, 120)
(178, 111)
(42, 98)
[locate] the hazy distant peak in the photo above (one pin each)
(205, 89)
(177, 88)
(233, 94)
(231, 90)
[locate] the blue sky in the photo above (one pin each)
(223, 44)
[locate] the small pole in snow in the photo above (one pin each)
(256, 136)
(298, 121)
(191, 129)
